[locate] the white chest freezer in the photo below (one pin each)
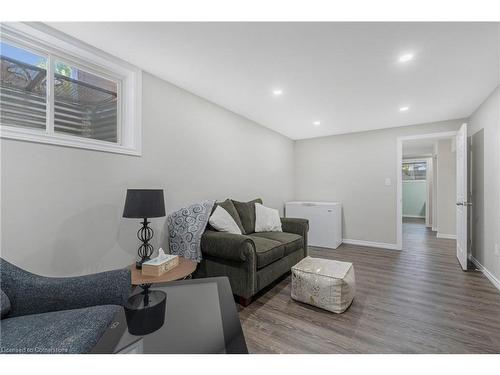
(325, 221)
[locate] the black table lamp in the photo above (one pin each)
(144, 204)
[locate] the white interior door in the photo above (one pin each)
(462, 204)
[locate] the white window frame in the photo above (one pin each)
(56, 46)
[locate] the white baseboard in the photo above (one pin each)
(447, 236)
(415, 216)
(382, 245)
(486, 272)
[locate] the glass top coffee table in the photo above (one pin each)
(200, 317)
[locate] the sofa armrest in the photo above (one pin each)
(296, 226)
(229, 246)
(34, 294)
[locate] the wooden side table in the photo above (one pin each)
(182, 271)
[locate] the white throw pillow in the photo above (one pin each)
(267, 219)
(223, 222)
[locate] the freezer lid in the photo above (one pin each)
(309, 203)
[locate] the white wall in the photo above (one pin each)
(352, 168)
(61, 207)
(487, 117)
(446, 188)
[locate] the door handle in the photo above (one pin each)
(467, 204)
(460, 204)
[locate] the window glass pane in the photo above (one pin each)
(414, 171)
(419, 170)
(23, 90)
(85, 104)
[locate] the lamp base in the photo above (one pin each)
(145, 312)
(145, 234)
(138, 263)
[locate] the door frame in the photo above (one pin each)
(399, 176)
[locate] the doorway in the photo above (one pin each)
(477, 237)
(417, 188)
(426, 184)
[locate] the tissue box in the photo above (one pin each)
(158, 266)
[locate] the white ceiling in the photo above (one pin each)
(346, 75)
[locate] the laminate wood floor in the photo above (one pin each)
(417, 300)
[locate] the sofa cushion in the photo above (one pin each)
(231, 210)
(268, 251)
(221, 221)
(246, 212)
(65, 331)
(4, 304)
(267, 219)
(291, 241)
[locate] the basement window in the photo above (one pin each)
(414, 171)
(54, 89)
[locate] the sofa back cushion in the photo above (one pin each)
(4, 304)
(246, 212)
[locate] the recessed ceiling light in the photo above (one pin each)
(406, 57)
(316, 123)
(277, 92)
(404, 109)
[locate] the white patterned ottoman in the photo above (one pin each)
(324, 283)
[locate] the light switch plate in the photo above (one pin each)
(388, 181)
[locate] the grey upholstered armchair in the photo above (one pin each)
(57, 314)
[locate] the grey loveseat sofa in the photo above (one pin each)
(251, 260)
(57, 314)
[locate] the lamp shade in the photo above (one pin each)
(144, 203)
